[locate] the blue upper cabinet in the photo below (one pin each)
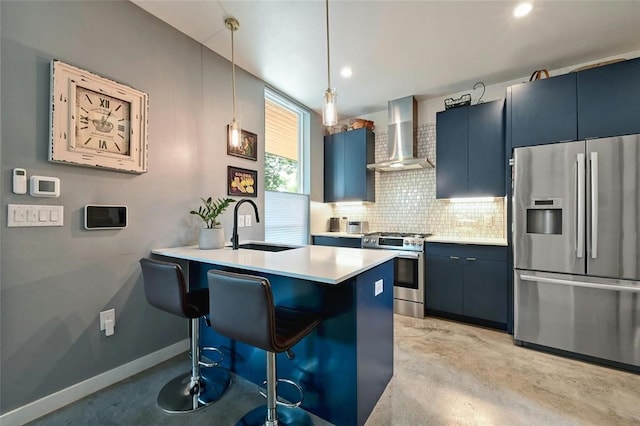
(346, 156)
(609, 100)
(452, 152)
(333, 166)
(470, 151)
(486, 149)
(544, 111)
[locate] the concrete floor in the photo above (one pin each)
(446, 373)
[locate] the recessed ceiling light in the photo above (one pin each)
(522, 9)
(346, 72)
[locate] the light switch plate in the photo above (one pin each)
(34, 215)
(247, 220)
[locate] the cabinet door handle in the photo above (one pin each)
(471, 259)
(454, 257)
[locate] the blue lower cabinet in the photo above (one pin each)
(337, 241)
(444, 284)
(485, 290)
(468, 283)
(344, 365)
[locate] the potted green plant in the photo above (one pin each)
(212, 235)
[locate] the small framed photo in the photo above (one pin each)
(248, 147)
(242, 182)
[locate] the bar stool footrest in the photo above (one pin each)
(278, 400)
(206, 362)
(286, 416)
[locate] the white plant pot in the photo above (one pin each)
(211, 238)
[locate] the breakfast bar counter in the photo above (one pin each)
(329, 265)
(345, 364)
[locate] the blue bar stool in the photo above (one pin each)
(166, 289)
(242, 309)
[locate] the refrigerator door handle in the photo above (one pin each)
(594, 205)
(580, 283)
(580, 206)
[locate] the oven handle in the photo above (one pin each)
(409, 255)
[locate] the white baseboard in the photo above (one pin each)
(59, 399)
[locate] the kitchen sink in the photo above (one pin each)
(264, 247)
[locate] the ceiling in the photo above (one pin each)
(398, 48)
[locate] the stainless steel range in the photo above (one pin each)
(410, 268)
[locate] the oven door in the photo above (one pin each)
(408, 281)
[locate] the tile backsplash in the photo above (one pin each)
(406, 201)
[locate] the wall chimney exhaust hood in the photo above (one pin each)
(402, 141)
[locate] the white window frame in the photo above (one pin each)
(304, 136)
(278, 233)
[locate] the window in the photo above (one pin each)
(286, 168)
(284, 131)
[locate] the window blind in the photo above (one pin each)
(286, 217)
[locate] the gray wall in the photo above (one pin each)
(55, 281)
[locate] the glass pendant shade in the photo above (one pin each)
(234, 133)
(329, 109)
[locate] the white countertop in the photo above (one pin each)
(432, 239)
(336, 234)
(330, 265)
(468, 240)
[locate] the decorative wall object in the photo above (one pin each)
(96, 122)
(242, 182)
(247, 148)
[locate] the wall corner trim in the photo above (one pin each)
(54, 401)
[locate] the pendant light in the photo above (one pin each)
(234, 128)
(329, 110)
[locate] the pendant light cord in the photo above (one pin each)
(233, 75)
(328, 55)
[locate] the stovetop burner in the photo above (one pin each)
(395, 240)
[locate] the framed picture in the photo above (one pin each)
(248, 147)
(96, 122)
(242, 182)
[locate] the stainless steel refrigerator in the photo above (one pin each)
(576, 239)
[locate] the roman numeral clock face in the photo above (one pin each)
(102, 122)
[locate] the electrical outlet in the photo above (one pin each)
(247, 220)
(105, 316)
(241, 221)
(379, 287)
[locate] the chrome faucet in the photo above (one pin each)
(234, 237)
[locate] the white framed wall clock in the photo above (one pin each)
(96, 122)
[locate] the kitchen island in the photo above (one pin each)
(345, 364)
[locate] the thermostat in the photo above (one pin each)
(105, 217)
(44, 186)
(19, 181)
